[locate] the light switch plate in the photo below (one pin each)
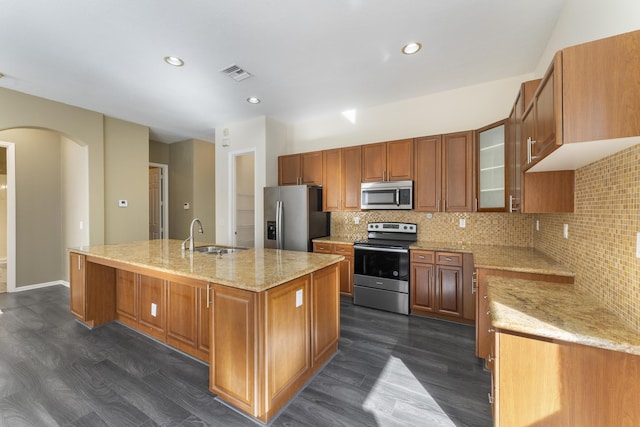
(638, 245)
(123, 203)
(565, 231)
(537, 225)
(463, 223)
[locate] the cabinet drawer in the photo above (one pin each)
(448, 258)
(346, 250)
(423, 257)
(323, 248)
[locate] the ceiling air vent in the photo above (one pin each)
(235, 72)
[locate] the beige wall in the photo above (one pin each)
(159, 153)
(19, 110)
(74, 186)
(39, 250)
(192, 179)
(126, 158)
(204, 188)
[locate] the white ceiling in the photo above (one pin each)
(308, 58)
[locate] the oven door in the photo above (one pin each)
(382, 268)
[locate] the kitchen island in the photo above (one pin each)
(265, 320)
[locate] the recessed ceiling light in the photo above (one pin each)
(174, 60)
(253, 100)
(411, 48)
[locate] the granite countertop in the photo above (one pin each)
(253, 269)
(558, 312)
(334, 239)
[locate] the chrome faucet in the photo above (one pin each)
(190, 238)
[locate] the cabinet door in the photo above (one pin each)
(325, 313)
(449, 290)
(351, 173)
(458, 172)
(331, 178)
(422, 294)
(181, 314)
(547, 103)
(491, 157)
(400, 160)
(289, 169)
(346, 276)
(374, 162)
(311, 168)
(126, 297)
(428, 174)
(152, 306)
(514, 132)
(77, 285)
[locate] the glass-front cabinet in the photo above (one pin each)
(492, 174)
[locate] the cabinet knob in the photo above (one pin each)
(485, 297)
(490, 358)
(490, 397)
(491, 330)
(488, 312)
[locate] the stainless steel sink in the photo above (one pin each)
(217, 250)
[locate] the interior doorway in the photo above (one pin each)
(244, 200)
(158, 201)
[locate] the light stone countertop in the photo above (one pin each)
(509, 258)
(558, 312)
(252, 269)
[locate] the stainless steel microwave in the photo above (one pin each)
(386, 195)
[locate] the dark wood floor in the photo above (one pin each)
(391, 370)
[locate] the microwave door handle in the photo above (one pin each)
(397, 196)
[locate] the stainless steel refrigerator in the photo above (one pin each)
(293, 216)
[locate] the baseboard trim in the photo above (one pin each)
(40, 285)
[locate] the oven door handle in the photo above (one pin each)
(379, 249)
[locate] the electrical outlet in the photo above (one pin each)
(154, 309)
(638, 245)
(537, 225)
(463, 223)
(298, 297)
(565, 231)
(356, 220)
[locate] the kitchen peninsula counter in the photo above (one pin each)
(558, 312)
(265, 320)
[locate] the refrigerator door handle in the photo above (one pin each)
(279, 227)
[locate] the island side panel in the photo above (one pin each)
(233, 356)
(287, 341)
(326, 313)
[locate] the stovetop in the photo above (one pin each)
(390, 234)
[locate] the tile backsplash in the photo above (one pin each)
(481, 228)
(602, 233)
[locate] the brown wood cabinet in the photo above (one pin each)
(538, 381)
(437, 285)
(484, 331)
(152, 318)
(341, 169)
(90, 301)
(346, 265)
(267, 345)
(445, 173)
(303, 168)
(188, 317)
(387, 161)
(590, 92)
(515, 142)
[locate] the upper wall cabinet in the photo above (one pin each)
(387, 161)
(444, 171)
(297, 169)
(590, 93)
(491, 165)
(341, 169)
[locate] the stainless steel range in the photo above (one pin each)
(381, 271)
